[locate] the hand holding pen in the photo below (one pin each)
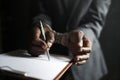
(41, 39)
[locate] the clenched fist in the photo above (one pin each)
(77, 42)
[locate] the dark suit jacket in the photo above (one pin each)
(86, 15)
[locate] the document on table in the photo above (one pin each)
(34, 67)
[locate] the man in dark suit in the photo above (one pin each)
(77, 25)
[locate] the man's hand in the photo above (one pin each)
(80, 46)
(37, 45)
(78, 43)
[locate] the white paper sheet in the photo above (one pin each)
(35, 67)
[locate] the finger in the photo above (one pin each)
(75, 48)
(86, 50)
(80, 62)
(85, 56)
(40, 43)
(82, 57)
(47, 27)
(36, 33)
(38, 49)
(76, 36)
(50, 39)
(50, 36)
(76, 42)
(86, 42)
(35, 52)
(87, 45)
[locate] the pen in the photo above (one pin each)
(44, 38)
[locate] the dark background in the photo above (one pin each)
(15, 19)
(110, 40)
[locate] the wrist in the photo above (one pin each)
(61, 38)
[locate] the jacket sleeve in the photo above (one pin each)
(41, 13)
(93, 22)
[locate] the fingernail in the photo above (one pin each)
(49, 44)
